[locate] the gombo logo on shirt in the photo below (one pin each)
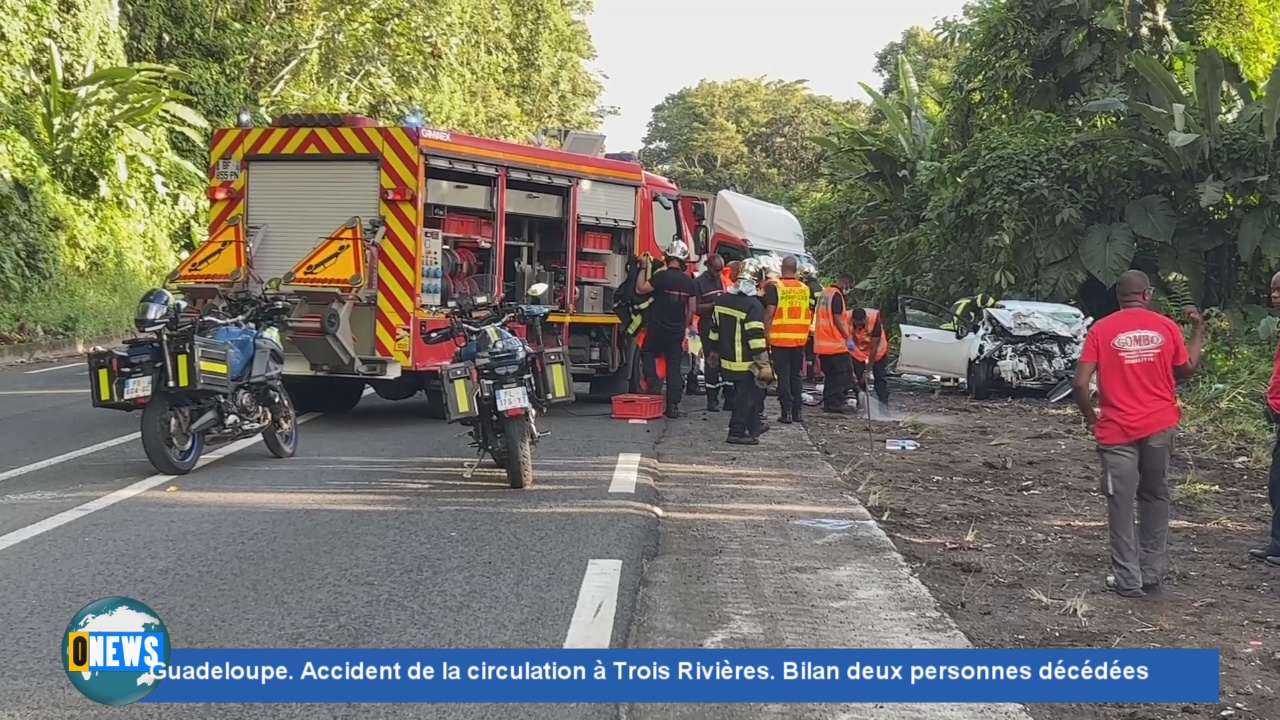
(1138, 340)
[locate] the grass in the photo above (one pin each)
(1224, 405)
(75, 308)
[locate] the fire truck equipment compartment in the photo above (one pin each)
(458, 194)
(602, 203)
(302, 201)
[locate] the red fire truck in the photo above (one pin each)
(375, 227)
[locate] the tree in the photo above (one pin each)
(747, 135)
(134, 101)
(931, 56)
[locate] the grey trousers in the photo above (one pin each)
(1135, 474)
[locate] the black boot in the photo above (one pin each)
(673, 411)
(785, 418)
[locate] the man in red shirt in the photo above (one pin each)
(1270, 553)
(1138, 356)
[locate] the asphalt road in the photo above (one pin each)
(369, 537)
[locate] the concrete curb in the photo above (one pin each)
(53, 349)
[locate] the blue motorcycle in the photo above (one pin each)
(498, 384)
(200, 378)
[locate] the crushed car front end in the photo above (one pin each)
(1025, 345)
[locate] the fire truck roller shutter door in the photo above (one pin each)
(302, 201)
(602, 203)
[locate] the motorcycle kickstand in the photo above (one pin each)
(469, 467)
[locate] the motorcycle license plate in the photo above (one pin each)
(137, 388)
(512, 398)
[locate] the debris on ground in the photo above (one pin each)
(1002, 521)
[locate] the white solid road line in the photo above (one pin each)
(55, 367)
(42, 392)
(57, 459)
(8, 540)
(592, 623)
(625, 472)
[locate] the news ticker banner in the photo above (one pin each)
(117, 652)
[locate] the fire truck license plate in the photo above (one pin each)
(512, 398)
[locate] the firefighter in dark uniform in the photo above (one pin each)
(809, 276)
(710, 285)
(742, 355)
(968, 310)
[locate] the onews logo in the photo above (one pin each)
(115, 651)
(1140, 340)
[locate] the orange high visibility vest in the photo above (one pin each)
(862, 338)
(792, 317)
(826, 337)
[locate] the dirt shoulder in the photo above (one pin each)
(997, 512)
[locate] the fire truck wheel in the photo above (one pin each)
(301, 393)
(337, 396)
(436, 408)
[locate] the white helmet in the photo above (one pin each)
(808, 272)
(678, 251)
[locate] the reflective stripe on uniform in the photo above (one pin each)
(862, 338)
(793, 317)
(827, 339)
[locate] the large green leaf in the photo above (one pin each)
(901, 130)
(1270, 244)
(186, 115)
(1161, 119)
(1152, 217)
(1104, 105)
(1253, 228)
(825, 143)
(1155, 73)
(1271, 104)
(1210, 74)
(1107, 251)
(1211, 192)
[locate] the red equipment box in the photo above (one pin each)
(637, 407)
(597, 241)
(591, 270)
(468, 226)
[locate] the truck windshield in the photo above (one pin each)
(666, 226)
(802, 257)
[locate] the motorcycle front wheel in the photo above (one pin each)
(519, 457)
(171, 450)
(281, 437)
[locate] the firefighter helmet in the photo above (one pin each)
(678, 251)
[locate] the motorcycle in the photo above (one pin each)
(498, 384)
(201, 378)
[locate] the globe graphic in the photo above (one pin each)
(116, 614)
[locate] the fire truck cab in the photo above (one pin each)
(374, 228)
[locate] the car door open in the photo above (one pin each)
(927, 348)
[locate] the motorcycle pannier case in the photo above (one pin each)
(556, 383)
(212, 365)
(459, 391)
(118, 382)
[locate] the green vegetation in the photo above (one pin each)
(1039, 149)
(104, 118)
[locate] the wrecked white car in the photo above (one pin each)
(1022, 345)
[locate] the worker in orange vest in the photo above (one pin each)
(788, 315)
(870, 349)
(833, 343)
